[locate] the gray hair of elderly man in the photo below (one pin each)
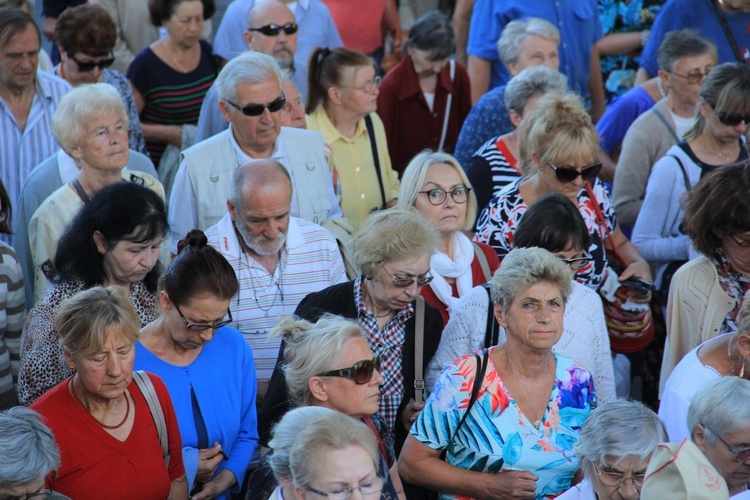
(261, 172)
(525, 267)
(532, 81)
(27, 448)
(618, 429)
(77, 108)
(508, 46)
(248, 67)
(285, 434)
(722, 406)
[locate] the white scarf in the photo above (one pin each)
(441, 267)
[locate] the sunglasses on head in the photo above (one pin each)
(257, 109)
(85, 67)
(361, 372)
(275, 29)
(569, 174)
(732, 120)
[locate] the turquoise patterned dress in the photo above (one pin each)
(496, 435)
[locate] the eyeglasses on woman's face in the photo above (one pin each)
(612, 477)
(731, 119)
(569, 174)
(407, 281)
(199, 327)
(367, 489)
(696, 76)
(369, 85)
(38, 495)
(438, 196)
(361, 372)
(740, 454)
(577, 263)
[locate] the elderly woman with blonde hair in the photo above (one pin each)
(508, 416)
(437, 187)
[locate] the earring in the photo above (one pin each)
(742, 370)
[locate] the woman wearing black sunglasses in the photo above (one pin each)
(716, 139)
(558, 151)
(207, 367)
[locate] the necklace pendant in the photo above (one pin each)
(537, 423)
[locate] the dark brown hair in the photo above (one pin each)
(326, 70)
(12, 22)
(7, 209)
(86, 29)
(161, 10)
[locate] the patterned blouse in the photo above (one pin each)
(498, 221)
(497, 436)
(42, 361)
(735, 284)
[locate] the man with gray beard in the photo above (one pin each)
(278, 259)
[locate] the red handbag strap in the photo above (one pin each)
(602, 222)
(367, 420)
(505, 150)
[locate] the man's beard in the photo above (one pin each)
(259, 244)
(285, 60)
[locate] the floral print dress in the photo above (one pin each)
(497, 436)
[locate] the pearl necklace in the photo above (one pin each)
(85, 407)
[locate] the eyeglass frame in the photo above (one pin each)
(201, 327)
(421, 279)
(690, 78)
(584, 259)
(583, 174)
(45, 493)
(88, 67)
(733, 450)
(288, 29)
(744, 244)
(445, 195)
(730, 119)
(351, 372)
(623, 477)
(349, 490)
(279, 103)
(370, 84)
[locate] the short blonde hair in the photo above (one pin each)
(390, 235)
(86, 320)
(413, 178)
(79, 106)
(558, 131)
(312, 349)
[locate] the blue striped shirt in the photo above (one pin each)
(22, 150)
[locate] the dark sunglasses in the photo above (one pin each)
(257, 109)
(361, 372)
(199, 327)
(275, 29)
(569, 174)
(85, 67)
(732, 120)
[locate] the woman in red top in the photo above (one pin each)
(108, 439)
(436, 185)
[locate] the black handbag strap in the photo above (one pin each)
(376, 159)
(492, 330)
(727, 32)
(478, 379)
(684, 173)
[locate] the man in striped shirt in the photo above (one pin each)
(27, 101)
(278, 259)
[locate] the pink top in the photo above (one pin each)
(358, 23)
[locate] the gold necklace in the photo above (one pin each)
(537, 420)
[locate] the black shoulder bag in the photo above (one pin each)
(376, 159)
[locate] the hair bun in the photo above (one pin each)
(195, 238)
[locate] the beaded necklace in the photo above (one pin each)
(85, 407)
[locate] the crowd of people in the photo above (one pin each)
(302, 249)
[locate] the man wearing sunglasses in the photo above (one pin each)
(278, 259)
(251, 101)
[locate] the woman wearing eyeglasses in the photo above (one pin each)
(436, 185)
(392, 249)
(716, 139)
(207, 367)
(342, 94)
(559, 149)
(330, 364)
(86, 36)
(170, 77)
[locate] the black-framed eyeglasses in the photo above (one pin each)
(730, 119)
(85, 67)
(695, 77)
(740, 454)
(45, 493)
(275, 29)
(361, 372)
(612, 477)
(407, 281)
(578, 262)
(569, 174)
(258, 109)
(367, 489)
(199, 327)
(438, 196)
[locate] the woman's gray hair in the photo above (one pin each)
(326, 433)
(508, 46)
(285, 434)
(413, 178)
(743, 317)
(79, 106)
(679, 44)
(618, 429)
(722, 406)
(312, 349)
(532, 81)
(390, 235)
(27, 448)
(248, 67)
(524, 267)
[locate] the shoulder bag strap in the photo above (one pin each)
(491, 333)
(368, 421)
(684, 172)
(419, 351)
(447, 106)
(152, 399)
(478, 379)
(602, 221)
(727, 32)
(482, 258)
(376, 159)
(666, 125)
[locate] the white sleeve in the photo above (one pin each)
(183, 209)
